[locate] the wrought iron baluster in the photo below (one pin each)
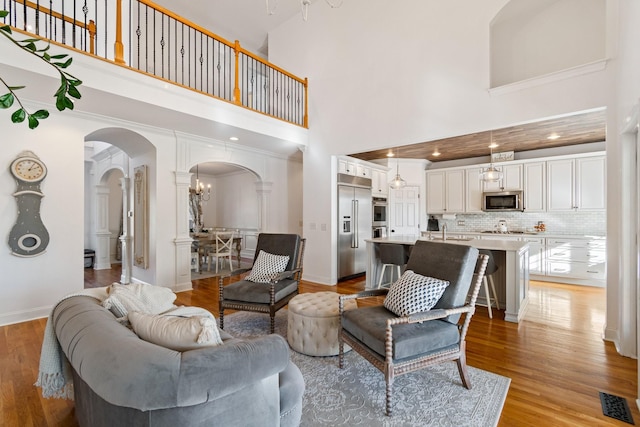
(182, 54)
(162, 43)
(138, 32)
(37, 17)
(24, 16)
(146, 38)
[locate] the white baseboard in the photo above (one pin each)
(24, 316)
(181, 287)
(321, 280)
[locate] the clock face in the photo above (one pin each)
(28, 169)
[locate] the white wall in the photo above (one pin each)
(530, 39)
(381, 76)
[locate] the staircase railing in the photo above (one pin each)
(149, 38)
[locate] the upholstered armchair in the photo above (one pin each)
(265, 290)
(398, 345)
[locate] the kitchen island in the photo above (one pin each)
(512, 277)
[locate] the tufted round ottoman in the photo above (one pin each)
(314, 322)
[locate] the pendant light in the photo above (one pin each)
(397, 182)
(491, 174)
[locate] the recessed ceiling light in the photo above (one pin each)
(436, 153)
(234, 138)
(390, 153)
(553, 136)
(493, 145)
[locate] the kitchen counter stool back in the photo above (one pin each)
(391, 255)
(488, 280)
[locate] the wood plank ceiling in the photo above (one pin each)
(568, 130)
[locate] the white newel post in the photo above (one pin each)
(264, 197)
(103, 235)
(183, 239)
(126, 240)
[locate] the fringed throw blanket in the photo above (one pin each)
(54, 376)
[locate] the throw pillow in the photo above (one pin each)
(414, 293)
(176, 333)
(267, 267)
(138, 297)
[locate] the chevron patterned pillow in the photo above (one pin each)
(414, 293)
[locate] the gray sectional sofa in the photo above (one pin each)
(121, 380)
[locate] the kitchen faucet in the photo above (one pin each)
(444, 231)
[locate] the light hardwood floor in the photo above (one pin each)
(555, 358)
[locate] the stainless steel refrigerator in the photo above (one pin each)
(354, 224)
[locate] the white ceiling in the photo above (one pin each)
(243, 20)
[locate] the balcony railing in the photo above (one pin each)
(146, 37)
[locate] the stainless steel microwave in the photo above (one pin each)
(502, 201)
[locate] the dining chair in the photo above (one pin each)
(220, 249)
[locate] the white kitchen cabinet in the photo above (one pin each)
(473, 195)
(590, 183)
(346, 167)
(537, 247)
(576, 184)
(511, 179)
(534, 193)
(577, 259)
(379, 184)
(363, 171)
(445, 191)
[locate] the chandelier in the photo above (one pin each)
(199, 191)
(272, 5)
(491, 174)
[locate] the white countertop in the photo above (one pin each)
(497, 245)
(525, 234)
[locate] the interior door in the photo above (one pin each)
(404, 211)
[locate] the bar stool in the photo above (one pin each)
(391, 255)
(488, 274)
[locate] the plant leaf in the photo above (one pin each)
(6, 100)
(64, 64)
(18, 116)
(68, 103)
(30, 46)
(6, 29)
(60, 102)
(16, 87)
(41, 114)
(33, 122)
(59, 56)
(74, 92)
(3, 13)
(46, 57)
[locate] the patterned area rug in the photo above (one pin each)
(355, 395)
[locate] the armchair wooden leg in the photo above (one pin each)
(462, 367)
(221, 320)
(389, 391)
(273, 323)
(340, 353)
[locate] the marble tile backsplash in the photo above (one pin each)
(578, 222)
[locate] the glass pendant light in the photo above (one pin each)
(397, 182)
(491, 174)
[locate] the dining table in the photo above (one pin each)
(201, 239)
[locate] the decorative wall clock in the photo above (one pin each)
(28, 237)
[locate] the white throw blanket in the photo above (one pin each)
(54, 376)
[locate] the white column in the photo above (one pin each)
(126, 239)
(103, 235)
(183, 239)
(263, 189)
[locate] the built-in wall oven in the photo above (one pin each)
(380, 213)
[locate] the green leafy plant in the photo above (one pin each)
(68, 83)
